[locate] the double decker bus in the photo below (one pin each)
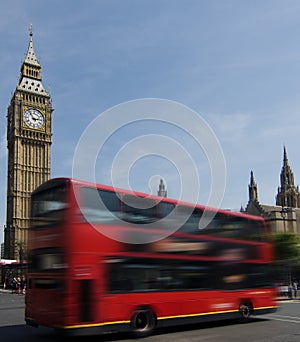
(103, 259)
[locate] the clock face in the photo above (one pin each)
(33, 118)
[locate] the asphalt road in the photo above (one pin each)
(282, 326)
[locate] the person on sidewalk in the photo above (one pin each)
(295, 288)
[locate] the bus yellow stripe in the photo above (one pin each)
(197, 314)
(267, 307)
(211, 313)
(92, 325)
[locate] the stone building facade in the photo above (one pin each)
(284, 216)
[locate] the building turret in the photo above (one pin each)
(288, 194)
(162, 189)
(252, 188)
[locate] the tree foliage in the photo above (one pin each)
(287, 247)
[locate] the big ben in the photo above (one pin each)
(29, 138)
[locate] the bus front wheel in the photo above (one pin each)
(143, 323)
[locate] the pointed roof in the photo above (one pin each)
(287, 176)
(252, 188)
(285, 159)
(288, 194)
(30, 57)
(252, 181)
(30, 79)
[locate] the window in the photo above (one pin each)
(164, 209)
(46, 260)
(234, 227)
(192, 218)
(48, 207)
(99, 206)
(139, 210)
(140, 275)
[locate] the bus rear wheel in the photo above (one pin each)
(143, 323)
(246, 310)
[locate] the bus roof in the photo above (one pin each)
(63, 180)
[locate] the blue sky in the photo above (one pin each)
(236, 63)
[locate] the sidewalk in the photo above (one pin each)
(282, 298)
(2, 290)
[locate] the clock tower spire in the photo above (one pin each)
(31, 79)
(29, 138)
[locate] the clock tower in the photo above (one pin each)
(29, 138)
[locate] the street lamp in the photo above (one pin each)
(283, 213)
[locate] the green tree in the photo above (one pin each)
(286, 247)
(287, 255)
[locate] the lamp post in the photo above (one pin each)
(283, 213)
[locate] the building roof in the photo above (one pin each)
(31, 85)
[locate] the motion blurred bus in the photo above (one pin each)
(104, 260)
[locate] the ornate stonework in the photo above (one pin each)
(29, 138)
(285, 215)
(288, 194)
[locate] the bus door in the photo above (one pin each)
(85, 293)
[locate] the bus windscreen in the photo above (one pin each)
(48, 207)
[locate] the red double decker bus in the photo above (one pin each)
(104, 260)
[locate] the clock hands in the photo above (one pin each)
(34, 116)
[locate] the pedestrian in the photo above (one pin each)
(14, 283)
(295, 288)
(290, 291)
(23, 285)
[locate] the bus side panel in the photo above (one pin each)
(196, 306)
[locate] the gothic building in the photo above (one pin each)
(285, 215)
(162, 189)
(29, 137)
(288, 194)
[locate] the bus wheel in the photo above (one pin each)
(245, 311)
(143, 323)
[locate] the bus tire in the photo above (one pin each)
(246, 310)
(143, 322)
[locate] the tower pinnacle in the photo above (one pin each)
(30, 55)
(252, 188)
(285, 159)
(31, 78)
(288, 194)
(161, 189)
